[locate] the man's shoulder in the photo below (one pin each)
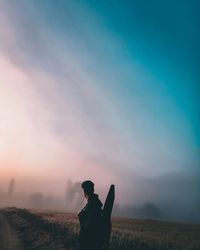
(94, 201)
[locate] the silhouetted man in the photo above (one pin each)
(90, 218)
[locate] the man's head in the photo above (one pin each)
(88, 188)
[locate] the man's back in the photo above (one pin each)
(90, 219)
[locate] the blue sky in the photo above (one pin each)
(112, 85)
(144, 56)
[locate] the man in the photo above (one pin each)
(90, 218)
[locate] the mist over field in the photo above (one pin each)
(166, 198)
(102, 91)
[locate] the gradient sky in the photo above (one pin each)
(98, 89)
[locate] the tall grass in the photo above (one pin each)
(56, 231)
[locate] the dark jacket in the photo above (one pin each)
(90, 219)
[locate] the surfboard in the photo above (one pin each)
(107, 212)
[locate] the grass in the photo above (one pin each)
(42, 229)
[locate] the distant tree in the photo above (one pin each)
(11, 187)
(37, 200)
(150, 211)
(69, 191)
(147, 211)
(74, 195)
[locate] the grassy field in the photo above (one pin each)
(41, 229)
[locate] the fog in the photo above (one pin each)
(172, 197)
(91, 93)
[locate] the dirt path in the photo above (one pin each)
(8, 236)
(34, 232)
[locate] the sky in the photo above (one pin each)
(100, 90)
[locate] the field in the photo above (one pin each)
(22, 229)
